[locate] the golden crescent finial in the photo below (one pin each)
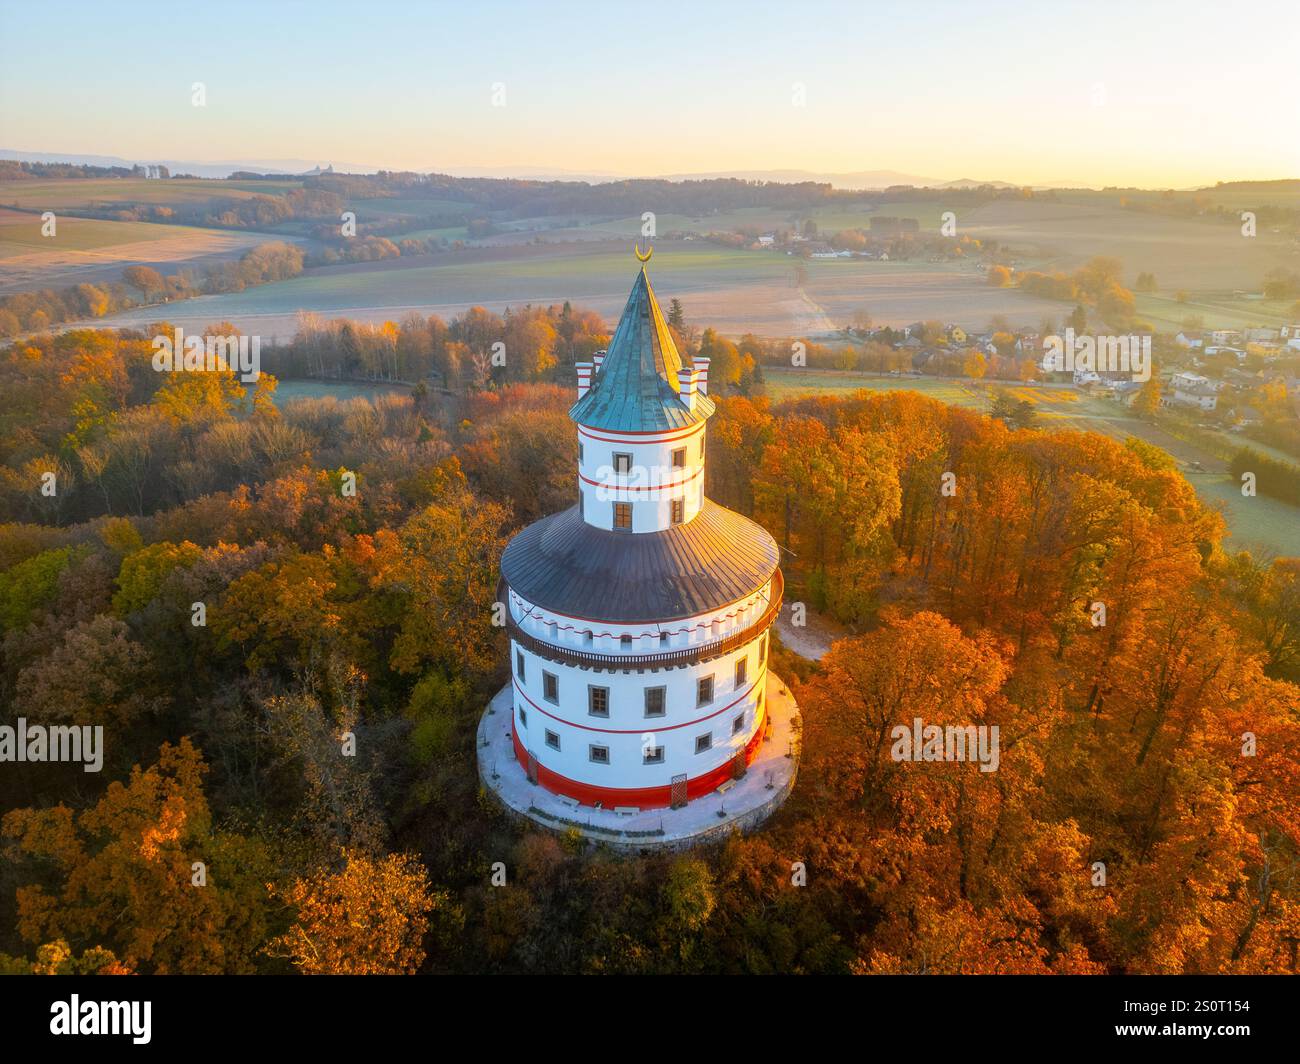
(644, 256)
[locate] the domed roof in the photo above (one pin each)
(565, 565)
(636, 388)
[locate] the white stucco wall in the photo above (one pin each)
(652, 483)
(627, 730)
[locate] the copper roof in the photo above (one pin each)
(636, 388)
(563, 564)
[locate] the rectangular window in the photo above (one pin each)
(663, 639)
(742, 671)
(552, 740)
(679, 458)
(703, 742)
(762, 650)
(704, 691)
(656, 701)
(622, 463)
(654, 755)
(598, 701)
(519, 665)
(678, 511)
(598, 754)
(623, 515)
(701, 448)
(738, 725)
(550, 687)
(581, 451)
(523, 716)
(625, 641)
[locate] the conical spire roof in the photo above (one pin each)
(636, 388)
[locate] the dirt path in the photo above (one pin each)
(809, 316)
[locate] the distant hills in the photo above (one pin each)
(189, 166)
(851, 180)
(860, 179)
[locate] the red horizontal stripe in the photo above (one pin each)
(660, 487)
(640, 797)
(656, 436)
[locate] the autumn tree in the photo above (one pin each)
(145, 873)
(368, 918)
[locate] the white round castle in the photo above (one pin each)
(639, 621)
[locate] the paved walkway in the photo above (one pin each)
(811, 640)
(743, 806)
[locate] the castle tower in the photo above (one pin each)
(639, 617)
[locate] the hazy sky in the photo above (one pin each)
(1098, 93)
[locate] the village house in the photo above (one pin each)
(1028, 343)
(1192, 389)
(1225, 349)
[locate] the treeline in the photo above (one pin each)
(38, 310)
(373, 247)
(14, 170)
(1096, 284)
(346, 556)
(252, 212)
(473, 351)
(525, 198)
(1272, 476)
(1201, 205)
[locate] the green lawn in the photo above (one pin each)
(286, 391)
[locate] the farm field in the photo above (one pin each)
(76, 193)
(1257, 524)
(88, 249)
(414, 208)
(1234, 196)
(583, 258)
(1182, 253)
(1222, 310)
(733, 291)
(828, 219)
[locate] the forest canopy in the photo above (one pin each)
(345, 556)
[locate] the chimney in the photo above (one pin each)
(584, 377)
(702, 374)
(686, 379)
(599, 360)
